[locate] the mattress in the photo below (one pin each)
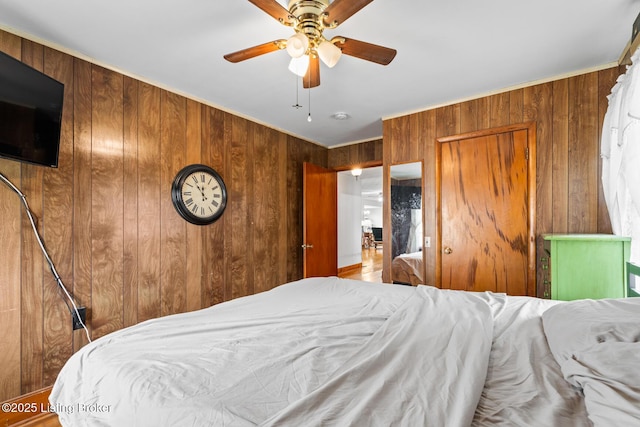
(328, 351)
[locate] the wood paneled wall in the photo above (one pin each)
(364, 154)
(569, 114)
(108, 222)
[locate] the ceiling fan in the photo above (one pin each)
(309, 18)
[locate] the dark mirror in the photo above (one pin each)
(407, 266)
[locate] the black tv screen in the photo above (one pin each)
(30, 113)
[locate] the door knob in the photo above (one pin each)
(307, 246)
(448, 250)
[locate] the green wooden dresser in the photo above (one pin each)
(586, 266)
(633, 280)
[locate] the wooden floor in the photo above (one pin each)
(371, 270)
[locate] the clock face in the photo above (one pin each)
(199, 194)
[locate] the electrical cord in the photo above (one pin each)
(56, 276)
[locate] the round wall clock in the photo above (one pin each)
(199, 194)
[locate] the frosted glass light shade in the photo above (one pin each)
(329, 53)
(297, 45)
(299, 65)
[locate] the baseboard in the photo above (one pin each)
(349, 268)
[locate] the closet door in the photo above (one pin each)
(487, 199)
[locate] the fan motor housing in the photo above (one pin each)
(302, 7)
(308, 14)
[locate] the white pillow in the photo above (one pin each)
(609, 376)
(597, 345)
(578, 325)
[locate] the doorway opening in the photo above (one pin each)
(360, 248)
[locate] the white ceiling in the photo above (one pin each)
(448, 50)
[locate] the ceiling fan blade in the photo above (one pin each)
(254, 51)
(341, 10)
(363, 50)
(275, 9)
(312, 78)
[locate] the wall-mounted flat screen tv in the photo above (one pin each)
(30, 113)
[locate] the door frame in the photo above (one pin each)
(531, 128)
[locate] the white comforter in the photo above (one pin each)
(322, 351)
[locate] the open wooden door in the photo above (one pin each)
(320, 221)
(487, 210)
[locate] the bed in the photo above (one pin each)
(329, 351)
(407, 269)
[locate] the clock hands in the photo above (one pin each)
(204, 197)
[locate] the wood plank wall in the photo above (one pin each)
(108, 222)
(569, 114)
(364, 154)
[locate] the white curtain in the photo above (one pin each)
(620, 151)
(414, 243)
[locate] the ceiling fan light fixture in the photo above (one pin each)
(329, 53)
(299, 66)
(308, 19)
(297, 45)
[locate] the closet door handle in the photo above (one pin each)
(307, 246)
(447, 250)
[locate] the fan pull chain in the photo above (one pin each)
(297, 105)
(309, 116)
